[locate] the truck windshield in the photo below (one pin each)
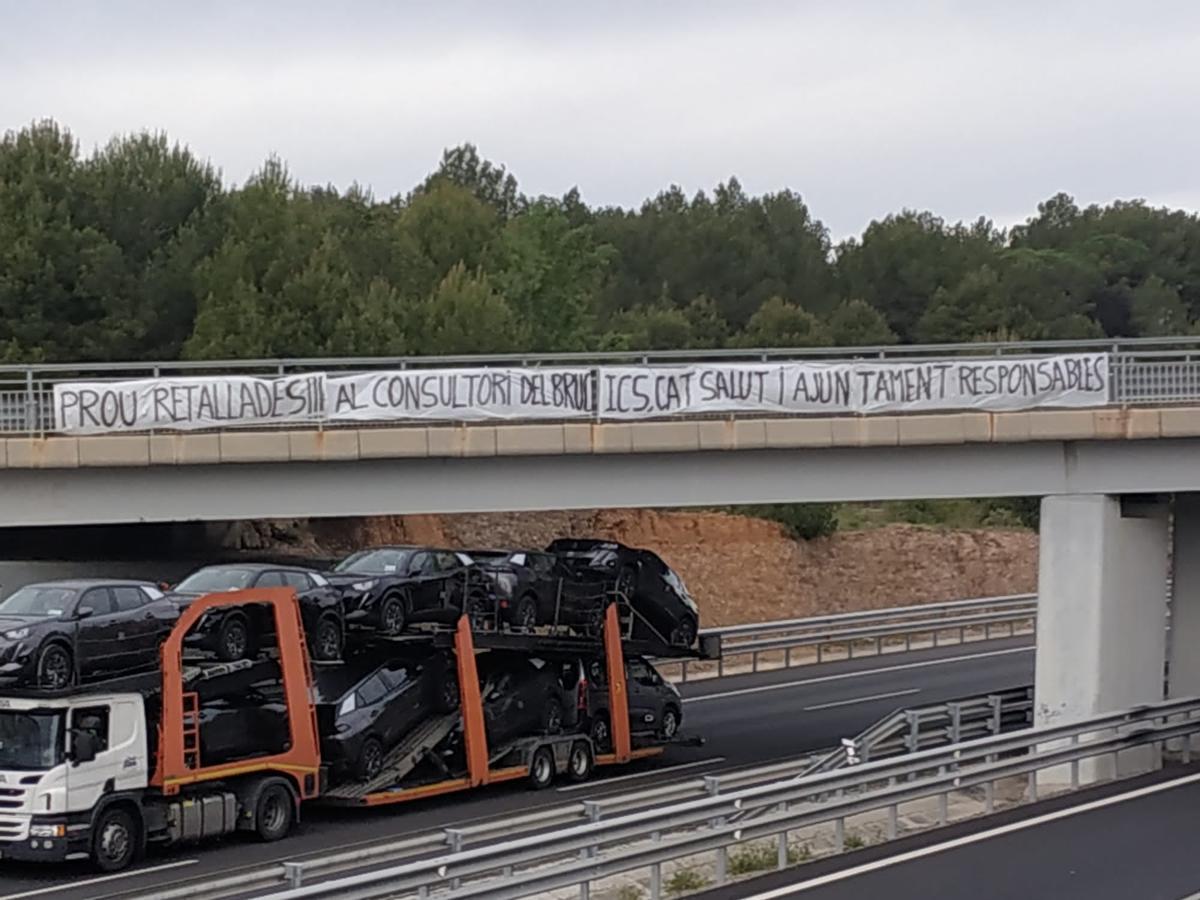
(31, 739)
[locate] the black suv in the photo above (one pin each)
(655, 706)
(237, 632)
(533, 588)
(367, 706)
(663, 609)
(386, 588)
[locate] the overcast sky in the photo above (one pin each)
(862, 106)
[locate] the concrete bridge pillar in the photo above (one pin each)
(1101, 643)
(1183, 659)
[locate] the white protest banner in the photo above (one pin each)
(461, 395)
(642, 392)
(188, 403)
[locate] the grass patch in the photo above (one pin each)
(684, 881)
(855, 842)
(630, 892)
(764, 857)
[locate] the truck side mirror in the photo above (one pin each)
(83, 747)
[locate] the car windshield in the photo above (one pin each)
(382, 561)
(31, 740)
(593, 557)
(218, 578)
(38, 600)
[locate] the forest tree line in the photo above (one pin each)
(138, 251)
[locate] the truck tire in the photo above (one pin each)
(393, 614)
(527, 614)
(581, 762)
(114, 840)
(327, 643)
(234, 641)
(601, 733)
(541, 768)
(668, 725)
(274, 812)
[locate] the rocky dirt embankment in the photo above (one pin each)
(740, 569)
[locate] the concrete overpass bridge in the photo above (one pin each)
(1112, 452)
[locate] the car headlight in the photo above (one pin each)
(17, 634)
(362, 586)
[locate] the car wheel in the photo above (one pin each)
(114, 841)
(233, 641)
(684, 634)
(448, 695)
(370, 759)
(55, 668)
(600, 733)
(541, 768)
(581, 762)
(668, 725)
(275, 812)
(328, 645)
(527, 616)
(552, 717)
(393, 614)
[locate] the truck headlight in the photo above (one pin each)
(48, 831)
(17, 634)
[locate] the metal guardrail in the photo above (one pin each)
(970, 620)
(533, 864)
(934, 725)
(1142, 370)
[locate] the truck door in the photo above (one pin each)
(121, 761)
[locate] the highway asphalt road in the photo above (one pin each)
(746, 720)
(1130, 840)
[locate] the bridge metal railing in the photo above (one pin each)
(532, 864)
(1142, 370)
(882, 631)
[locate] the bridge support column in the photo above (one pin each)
(1101, 615)
(1183, 669)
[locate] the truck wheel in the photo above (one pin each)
(601, 735)
(527, 616)
(448, 694)
(370, 759)
(541, 768)
(114, 841)
(328, 643)
(580, 763)
(668, 725)
(55, 669)
(552, 717)
(393, 614)
(275, 812)
(233, 641)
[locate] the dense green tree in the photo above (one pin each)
(855, 323)
(465, 315)
(1157, 310)
(781, 324)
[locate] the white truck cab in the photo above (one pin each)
(63, 763)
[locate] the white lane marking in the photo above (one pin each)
(133, 873)
(826, 678)
(862, 699)
(973, 839)
(647, 774)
